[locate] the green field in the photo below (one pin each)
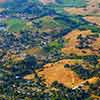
(15, 25)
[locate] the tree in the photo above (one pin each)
(92, 59)
(30, 61)
(66, 65)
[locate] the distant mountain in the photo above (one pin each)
(12, 3)
(67, 3)
(47, 1)
(1, 1)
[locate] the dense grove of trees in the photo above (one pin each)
(82, 72)
(91, 59)
(95, 88)
(23, 91)
(86, 41)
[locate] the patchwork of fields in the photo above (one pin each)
(49, 49)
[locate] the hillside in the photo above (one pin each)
(49, 50)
